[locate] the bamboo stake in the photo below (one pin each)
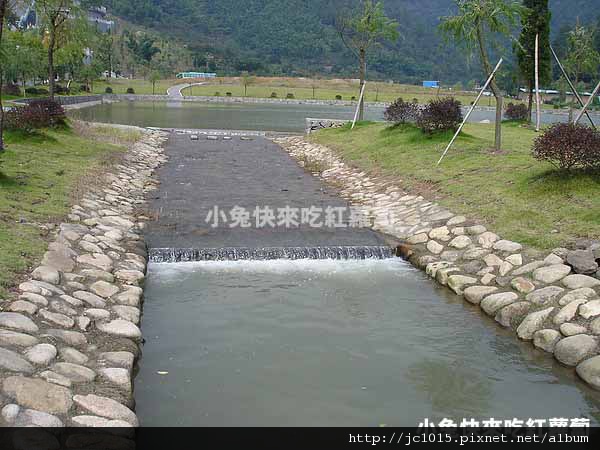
(587, 105)
(362, 93)
(575, 93)
(538, 102)
(472, 109)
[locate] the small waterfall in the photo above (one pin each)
(176, 255)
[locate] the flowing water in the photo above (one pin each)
(236, 116)
(333, 343)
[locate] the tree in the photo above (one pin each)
(55, 16)
(536, 21)
(2, 14)
(582, 58)
(154, 77)
(24, 56)
(476, 23)
(362, 29)
(247, 80)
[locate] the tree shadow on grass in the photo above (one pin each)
(29, 137)
(6, 181)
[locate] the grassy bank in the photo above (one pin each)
(520, 198)
(40, 175)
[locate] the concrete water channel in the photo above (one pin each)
(359, 342)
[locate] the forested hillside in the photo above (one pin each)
(298, 37)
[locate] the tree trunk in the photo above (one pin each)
(51, 44)
(363, 77)
(530, 102)
(493, 85)
(2, 14)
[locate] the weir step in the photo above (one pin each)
(176, 255)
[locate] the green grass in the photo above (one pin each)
(141, 87)
(515, 195)
(40, 175)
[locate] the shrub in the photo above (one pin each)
(569, 146)
(61, 90)
(108, 90)
(130, 90)
(353, 98)
(516, 112)
(37, 114)
(11, 89)
(228, 94)
(290, 95)
(273, 94)
(36, 91)
(217, 94)
(402, 112)
(338, 97)
(440, 115)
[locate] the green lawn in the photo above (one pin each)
(40, 175)
(515, 195)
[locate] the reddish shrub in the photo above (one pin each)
(516, 112)
(402, 112)
(37, 114)
(568, 146)
(440, 115)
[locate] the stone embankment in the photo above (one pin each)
(551, 300)
(70, 340)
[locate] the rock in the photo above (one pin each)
(532, 323)
(433, 268)
(590, 310)
(73, 338)
(460, 242)
(476, 229)
(551, 274)
(55, 378)
(595, 326)
(572, 329)
(589, 371)
(56, 318)
(36, 299)
(487, 279)
(580, 281)
(474, 267)
(59, 260)
(62, 308)
(18, 322)
(568, 312)
(10, 412)
(545, 295)
(450, 255)
(13, 362)
(434, 247)
(38, 394)
(418, 239)
(129, 313)
(515, 260)
(475, 253)
(573, 350)
(583, 262)
(442, 275)
(30, 417)
(553, 260)
(121, 327)
(91, 299)
(118, 376)
(441, 234)
(487, 239)
(83, 323)
(95, 274)
(508, 246)
(97, 260)
(475, 294)
(100, 422)
(458, 282)
(46, 274)
(546, 340)
(17, 339)
(47, 289)
(97, 314)
(495, 302)
(41, 354)
(493, 260)
(104, 289)
(457, 220)
(577, 294)
(505, 268)
(522, 285)
(72, 355)
(72, 301)
(90, 247)
(23, 306)
(119, 359)
(135, 277)
(106, 407)
(527, 268)
(75, 372)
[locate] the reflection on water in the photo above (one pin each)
(236, 116)
(329, 343)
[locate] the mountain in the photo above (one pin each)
(298, 37)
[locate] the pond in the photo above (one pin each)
(331, 343)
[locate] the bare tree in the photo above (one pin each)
(361, 30)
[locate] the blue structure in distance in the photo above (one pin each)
(431, 84)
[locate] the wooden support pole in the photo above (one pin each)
(587, 105)
(575, 93)
(471, 110)
(362, 94)
(538, 102)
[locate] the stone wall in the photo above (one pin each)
(70, 341)
(313, 125)
(551, 300)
